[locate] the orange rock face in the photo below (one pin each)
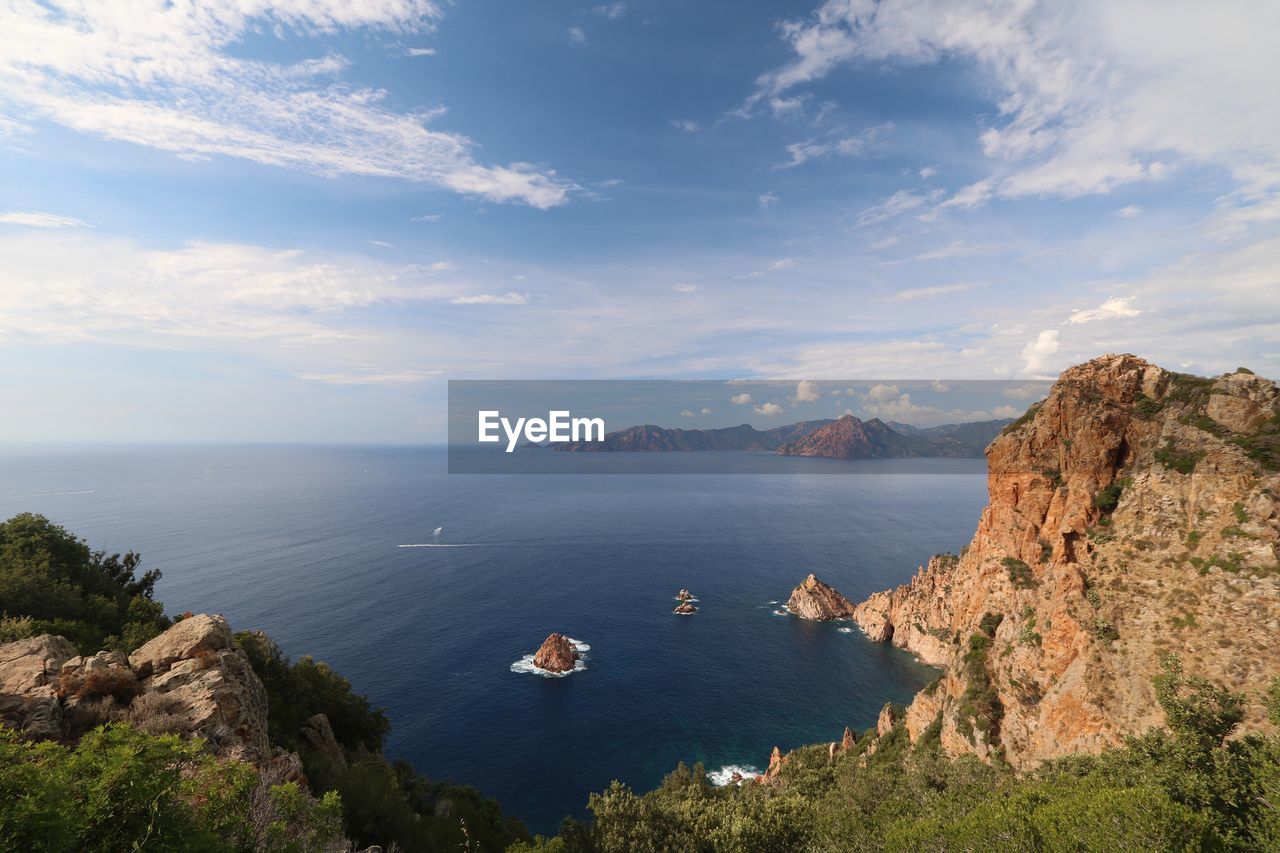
(814, 599)
(1126, 520)
(556, 654)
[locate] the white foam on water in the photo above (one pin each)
(525, 666)
(845, 630)
(782, 611)
(724, 776)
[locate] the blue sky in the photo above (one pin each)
(295, 221)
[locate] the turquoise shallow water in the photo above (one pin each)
(303, 541)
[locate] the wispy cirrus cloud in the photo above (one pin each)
(166, 76)
(39, 219)
(846, 146)
(915, 294)
(511, 298)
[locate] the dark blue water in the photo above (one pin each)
(302, 541)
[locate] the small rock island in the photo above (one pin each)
(814, 599)
(556, 654)
(686, 607)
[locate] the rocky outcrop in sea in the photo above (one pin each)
(814, 599)
(556, 654)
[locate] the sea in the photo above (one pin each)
(335, 552)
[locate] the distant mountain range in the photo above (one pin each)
(845, 438)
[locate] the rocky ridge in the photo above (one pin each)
(849, 438)
(1132, 515)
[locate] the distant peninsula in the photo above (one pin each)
(844, 438)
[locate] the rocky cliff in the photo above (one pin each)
(1132, 515)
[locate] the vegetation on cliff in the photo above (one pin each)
(1187, 787)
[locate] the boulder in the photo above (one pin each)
(814, 599)
(556, 654)
(318, 735)
(685, 609)
(195, 637)
(29, 671)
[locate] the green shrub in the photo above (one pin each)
(298, 691)
(1020, 574)
(1024, 419)
(1109, 497)
(1146, 408)
(1175, 459)
(120, 789)
(52, 578)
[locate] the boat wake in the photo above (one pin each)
(442, 545)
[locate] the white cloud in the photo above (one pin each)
(766, 200)
(940, 386)
(36, 219)
(1090, 96)
(684, 287)
(1036, 355)
(170, 76)
(577, 35)
(769, 410)
(740, 399)
(777, 266)
(914, 294)
(849, 146)
(612, 11)
(420, 51)
(685, 413)
(806, 392)
(883, 393)
(491, 299)
(381, 244)
(889, 402)
(927, 172)
(1129, 211)
(955, 249)
(428, 217)
(1113, 308)
(59, 287)
(707, 411)
(1025, 392)
(372, 376)
(688, 125)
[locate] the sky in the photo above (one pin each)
(244, 220)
